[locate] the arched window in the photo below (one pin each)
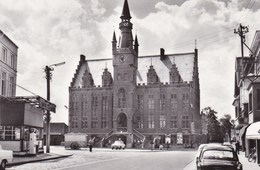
(121, 98)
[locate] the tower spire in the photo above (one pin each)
(126, 12)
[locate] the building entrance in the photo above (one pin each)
(121, 123)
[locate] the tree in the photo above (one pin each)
(213, 126)
(226, 126)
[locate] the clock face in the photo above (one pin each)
(122, 59)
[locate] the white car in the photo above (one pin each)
(6, 156)
(118, 144)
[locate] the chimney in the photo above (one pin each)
(162, 55)
(82, 57)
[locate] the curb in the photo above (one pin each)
(37, 160)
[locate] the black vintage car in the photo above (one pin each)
(218, 157)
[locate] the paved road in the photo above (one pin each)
(169, 160)
(104, 159)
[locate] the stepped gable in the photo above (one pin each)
(184, 62)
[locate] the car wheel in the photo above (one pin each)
(3, 165)
(74, 145)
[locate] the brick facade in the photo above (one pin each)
(136, 104)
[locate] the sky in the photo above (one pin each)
(53, 31)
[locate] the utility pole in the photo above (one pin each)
(48, 70)
(241, 31)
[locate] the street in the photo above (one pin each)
(103, 159)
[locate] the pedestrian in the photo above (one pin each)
(237, 147)
(91, 142)
(167, 145)
(152, 145)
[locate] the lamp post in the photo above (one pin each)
(48, 70)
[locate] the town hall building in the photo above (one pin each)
(137, 99)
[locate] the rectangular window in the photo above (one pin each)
(150, 102)
(162, 102)
(11, 86)
(140, 123)
(74, 122)
(174, 101)
(94, 122)
(140, 102)
(250, 105)
(3, 84)
(84, 122)
(150, 121)
(173, 121)
(162, 121)
(185, 122)
(258, 99)
(104, 112)
(10, 133)
(104, 122)
(12, 61)
(4, 54)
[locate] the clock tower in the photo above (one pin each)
(125, 54)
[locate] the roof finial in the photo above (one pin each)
(151, 61)
(106, 65)
(195, 44)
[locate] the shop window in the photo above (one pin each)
(10, 133)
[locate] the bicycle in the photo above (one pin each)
(252, 155)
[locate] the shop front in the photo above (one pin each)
(21, 127)
(253, 139)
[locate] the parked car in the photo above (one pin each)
(218, 157)
(118, 144)
(6, 156)
(201, 147)
(229, 144)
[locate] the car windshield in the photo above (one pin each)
(218, 154)
(119, 142)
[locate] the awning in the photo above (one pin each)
(253, 131)
(242, 131)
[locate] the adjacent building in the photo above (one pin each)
(57, 132)
(8, 65)
(137, 99)
(21, 118)
(247, 98)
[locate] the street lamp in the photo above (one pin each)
(48, 70)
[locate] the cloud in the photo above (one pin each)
(49, 32)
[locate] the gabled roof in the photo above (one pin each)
(183, 61)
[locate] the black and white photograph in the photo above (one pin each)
(130, 84)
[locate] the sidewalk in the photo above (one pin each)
(41, 157)
(247, 165)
